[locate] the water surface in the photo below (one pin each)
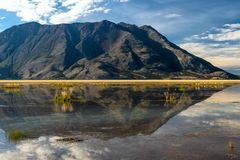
(120, 122)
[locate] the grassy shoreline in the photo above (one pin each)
(120, 81)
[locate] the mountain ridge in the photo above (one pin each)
(97, 50)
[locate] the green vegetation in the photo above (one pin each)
(65, 95)
(16, 135)
(182, 88)
(63, 100)
(62, 97)
(170, 98)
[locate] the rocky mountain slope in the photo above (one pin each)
(101, 50)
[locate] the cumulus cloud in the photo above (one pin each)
(34, 10)
(228, 32)
(55, 11)
(220, 46)
(45, 148)
(226, 35)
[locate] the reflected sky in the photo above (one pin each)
(221, 110)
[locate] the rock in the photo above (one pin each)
(100, 50)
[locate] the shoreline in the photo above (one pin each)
(120, 81)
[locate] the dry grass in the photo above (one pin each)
(120, 81)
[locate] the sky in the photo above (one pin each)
(207, 28)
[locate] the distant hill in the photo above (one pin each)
(100, 50)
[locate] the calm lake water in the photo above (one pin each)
(122, 122)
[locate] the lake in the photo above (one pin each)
(122, 122)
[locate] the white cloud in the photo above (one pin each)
(172, 15)
(221, 55)
(237, 25)
(219, 46)
(107, 10)
(55, 11)
(44, 148)
(226, 35)
(76, 10)
(122, 1)
(30, 10)
(2, 18)
(228, 32)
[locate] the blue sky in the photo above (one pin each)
(207, 28)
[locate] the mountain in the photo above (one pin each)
(100, 50)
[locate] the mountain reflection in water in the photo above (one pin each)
(95, 111)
